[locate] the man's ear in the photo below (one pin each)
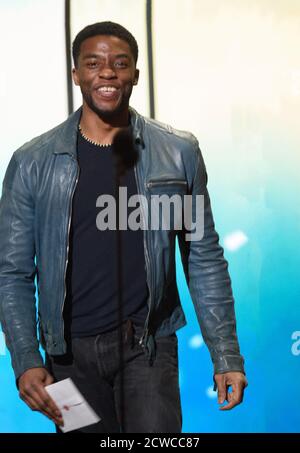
(75, 76)
(136, 77)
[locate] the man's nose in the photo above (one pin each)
(107, 72)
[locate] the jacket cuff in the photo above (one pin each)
(25, 362)
(226, 363)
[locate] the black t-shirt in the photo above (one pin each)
(91, 279)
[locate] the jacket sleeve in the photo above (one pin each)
(18, 270)
(209, 283)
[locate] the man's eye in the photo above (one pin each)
(92, 64)
(121, 64)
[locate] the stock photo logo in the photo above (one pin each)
(184, 209)
(295, 349)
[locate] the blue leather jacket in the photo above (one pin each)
(35, 216)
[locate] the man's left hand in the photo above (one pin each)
(238, 383)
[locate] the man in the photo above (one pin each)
(48, 213)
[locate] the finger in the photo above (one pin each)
(33, 405)
(48, 401)
(221, 391)
(234, 398)
(42, 406)
(238, 392)
(228, 406)
(229, 397)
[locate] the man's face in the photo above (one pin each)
(106, 74)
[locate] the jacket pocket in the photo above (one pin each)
(173, 184)
(166, 204)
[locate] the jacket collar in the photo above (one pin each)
(66, 141)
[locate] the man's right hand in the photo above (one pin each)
(33, 393)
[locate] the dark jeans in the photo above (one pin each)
(151, 393)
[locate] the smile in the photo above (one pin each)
(108, 92)
(107, 89)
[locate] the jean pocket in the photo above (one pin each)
(167, 352)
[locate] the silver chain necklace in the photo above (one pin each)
(102, 145)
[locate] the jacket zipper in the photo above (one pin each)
(145, 333)
(68, 234)
(163, 182)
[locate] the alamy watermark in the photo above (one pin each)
(295, 349)
(165, 212)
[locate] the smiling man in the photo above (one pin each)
(48, 229)
(105, 98)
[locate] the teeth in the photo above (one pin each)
(107, 89)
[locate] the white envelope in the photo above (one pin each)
(75, 410)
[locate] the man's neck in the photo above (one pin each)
(102, 130)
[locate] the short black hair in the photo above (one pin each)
(104, 28)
